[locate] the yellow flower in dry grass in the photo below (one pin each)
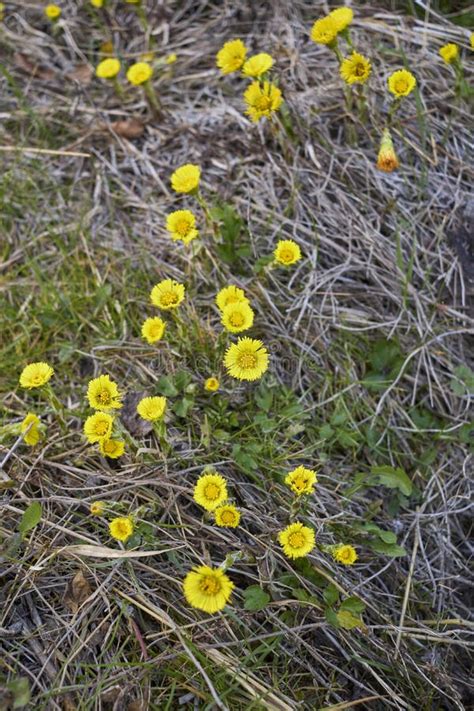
(227, 516)
(257, 65)
(167, 294)
(387, 158)
(471, 39)
(97, 3)
(153, 329)
(211, 385)
(152, 408)
(35, 375)
(52, 12)
(103, 394)
(247, 359)
(231, 56)
(237, 317)
(401, 83)
(112, 448)
(97, 508)
(108, 68)
(98, 427)
(287, 252)
(29, 429)
(186, 178)
(262, 99)
(121, 528)
(207, 589)
(230, 295)
(171, 58)
(324, 31)
(344, 554)
(342, 17)
(449, 53)
(355, 69)
(210, 491)
(139, 73)
(301, 480)
(297, 540)
(181, 225)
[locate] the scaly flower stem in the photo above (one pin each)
(153, 100)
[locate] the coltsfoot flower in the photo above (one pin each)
(324, 31)
(139, 73)
(230, 295)
(247, 359)
(121, 528)
(186, 178)
(297, 540)
(237, 317)
(29, 429)
(52, 12)
(97, 3)
(171, 58)
(98, 427)
(231, 56)
(262, 99)
(112, 448)
(211, 385)
(257, 65)
(108, 68)
(35, 375)
(401, 83)
(210, 491)
(181, 225)
(355, 69)
(153, 329)
(167, 294)
(342, 17)
(152, 408)
(345, 554)
(449, 53)
(103, 394)
(227, 516)
(287, 252)
(97, 508)
(301, 480)
(207, 589)
(387, 158)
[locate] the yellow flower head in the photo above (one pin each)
(287, 252)
(103, 394)
(207, 589)
(170, 58)
(186, 178)
(29, 429)
(152, 408)
(387, 158)
(108, 68)
(247, 359)
(112, 448)
(401, 83)
(139, 73)
(297, 540)
(355, 69)
(181, 225)
(471, 39)
(121, 528)
(167, 294)
(345, 554)
(97, 3)
(52, 12)
(230, 295)
(342, 16)
(106, 48)
(324, 31)
(301, 480)
(211, 385)
(35, 375)
(449, 53)
(97, 508)
(262, 99)
(210, 491)
(257, 65)
(98, 426)
(227, 516)
(237, 317)
(153, 329)
(231, 56)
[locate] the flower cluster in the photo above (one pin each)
(210, 492)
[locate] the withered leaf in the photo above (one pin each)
(31, 67)
(129, 416)
(77, 591)
(128, 128)
(83, 74)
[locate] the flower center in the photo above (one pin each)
(300, 482)
(237, 319)
(210, 585)
(183, 227)
(247, 361)
(359, 70)
(168, 298)
(104, 397)
(296, 539)
(212, 492)
(263, 103)
(286, 255)
(228, 517)
(401, 86)
(122, 529)
(102, 428)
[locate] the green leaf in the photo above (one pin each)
(326, 432)
(393, 478)
(182, 407)
(20, 688)
(386, 536)
(331, 594)
(167, 387)
(255, 598)
(30, 518)
(331, 617)
(182, 379)
(348, 621)
(354, 605)
(391, 549)
(264, 398)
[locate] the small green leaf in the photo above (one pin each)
(331, 594)
(30, 518)
(391, 549)
(326, 432)
(348, 621)
(181, 380)
(167, 387)
(393, 478)
(255, 598)
(20, 688)
(354, 605)
(331, 617)
(182, 407)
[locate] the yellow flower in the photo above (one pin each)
(167, 294)
(387, 158)
(112, 448)
(210, 491)
(247, 359)
(342, 16)
(181, 225)
(401, 83)
(211, 385)
(35, 375)
(257, 65)
(227, 516)
(355, 69)
(153, 329)
(139, 73)
(237, 317)
(97, 3)
(449, 53)
(344, 554)
(29, 429)
(262, 99)
(207, 589)
(301, 480)
(108, 68)
(147, 57)
(97, 508)
(170, 58)
(103, 394)
(471, 39)
(186, 178)
(106, 48)
(52, 12)
(151, 408)
(324, 31)
(98, 426)
(121, 528)
(287, 252)
(297, 540)
(230, 295)
(231, 56)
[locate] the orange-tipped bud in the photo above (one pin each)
(387, 158)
